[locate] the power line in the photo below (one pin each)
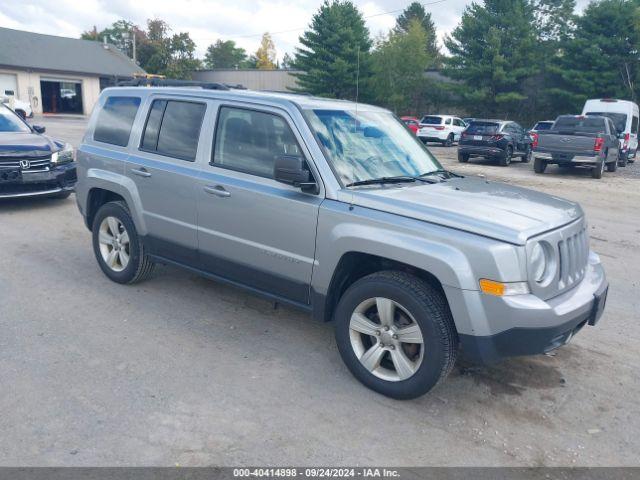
(303, 28)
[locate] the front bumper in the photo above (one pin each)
(526, 325)
(480, 150)
(53, 181)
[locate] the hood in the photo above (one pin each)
(21, 144)
(496, 210)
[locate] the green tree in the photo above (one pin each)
(224, 54)
(602, 58)
(118, 34)
(493, 52)
(334, 55)
(398, 64)
(286, 62)
(266, 53)
(416, 11)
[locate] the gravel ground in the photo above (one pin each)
(183, 370)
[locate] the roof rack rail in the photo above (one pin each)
(170, 82)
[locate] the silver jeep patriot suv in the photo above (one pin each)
(337, 209)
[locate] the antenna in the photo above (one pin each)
(355, 123)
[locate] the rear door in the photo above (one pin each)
(458, 127)
(252, 229)
(164, 170)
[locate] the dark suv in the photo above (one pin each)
(495, 139)
(32, 164)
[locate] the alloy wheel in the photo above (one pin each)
(386, 339)
(114, 244)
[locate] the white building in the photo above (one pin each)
(59, 74)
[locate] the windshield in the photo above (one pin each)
(375, 145)
(10, 122)
(619, 119)
(579, 125)
(431, 120)
(483, 128)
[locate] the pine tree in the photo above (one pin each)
(334, 52)
(416, 11)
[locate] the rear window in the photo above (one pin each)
(431, 120)
(173, 128)
(483, 128)
(579, 124)
(619, 119)
(115, 120)
(543, 126)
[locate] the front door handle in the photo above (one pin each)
(218, 191)
(142, 172)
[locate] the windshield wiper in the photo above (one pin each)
(381, 180)
(440, 171)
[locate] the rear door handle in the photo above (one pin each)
(218, 191)
(142, 172)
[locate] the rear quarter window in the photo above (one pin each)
(115, 120)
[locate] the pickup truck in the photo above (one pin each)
(578, 141)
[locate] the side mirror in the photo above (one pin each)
(38, 128)
(292, 170)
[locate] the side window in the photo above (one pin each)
(173, 128)
(115, 120)
(250, 141)
(447, 121)
(634, 125)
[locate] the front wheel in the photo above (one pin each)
(612, 166)
(526, 158)
(396, 334)
(117, 246)
(622, 162)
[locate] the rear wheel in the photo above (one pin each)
(624, 158)
(395, 333)
(449, 141)
(463, 157)
(597, 170)
(539, 165)
(505, 160)
(117, 246)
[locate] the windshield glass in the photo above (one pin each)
(431, 120)
(375, 145)
(619, 119)
(483, 128)
(10, 122)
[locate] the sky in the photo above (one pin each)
(243, 21)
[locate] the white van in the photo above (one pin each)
(625, 117)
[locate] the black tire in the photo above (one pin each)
(505, 159)
(430, 311)
(539, 165)
(526, 158)
(463, 157)
(596, 171)
(449, 141)
(139, 266)
(622, 161)
(612, 166)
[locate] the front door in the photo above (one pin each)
(165, 172)
(252, 229)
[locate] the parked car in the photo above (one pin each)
(624, 115)
(412, 123)
(20, 107)
(538, 127)
(32, 164)
(336, 209)
(578, 141)
(468, 120)
(444, 129)
(494, 139)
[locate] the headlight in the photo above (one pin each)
(542, 265)
(65, 155)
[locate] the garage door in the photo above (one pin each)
(9, 83)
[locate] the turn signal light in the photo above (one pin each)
(500, 289)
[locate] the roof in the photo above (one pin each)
(36, 51)
(276, 98)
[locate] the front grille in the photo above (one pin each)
(35, 163)
(573, 257)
